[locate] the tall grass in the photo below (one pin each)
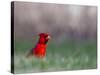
(68, 55)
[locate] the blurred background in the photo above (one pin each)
(73, 29)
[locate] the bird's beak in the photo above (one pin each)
(48, 37)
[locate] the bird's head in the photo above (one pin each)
(44, 37)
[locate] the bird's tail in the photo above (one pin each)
(29, 54)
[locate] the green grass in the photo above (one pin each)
(68, 55)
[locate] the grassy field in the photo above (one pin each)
(68, 55)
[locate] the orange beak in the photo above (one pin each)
(48, 37)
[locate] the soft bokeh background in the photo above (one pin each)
(73, 29)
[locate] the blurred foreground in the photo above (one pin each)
(69, 55)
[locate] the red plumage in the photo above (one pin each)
(40, 49)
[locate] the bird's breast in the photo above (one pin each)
(40, 50)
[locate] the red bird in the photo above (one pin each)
(40, 49)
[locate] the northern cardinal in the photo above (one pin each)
(39, 50)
